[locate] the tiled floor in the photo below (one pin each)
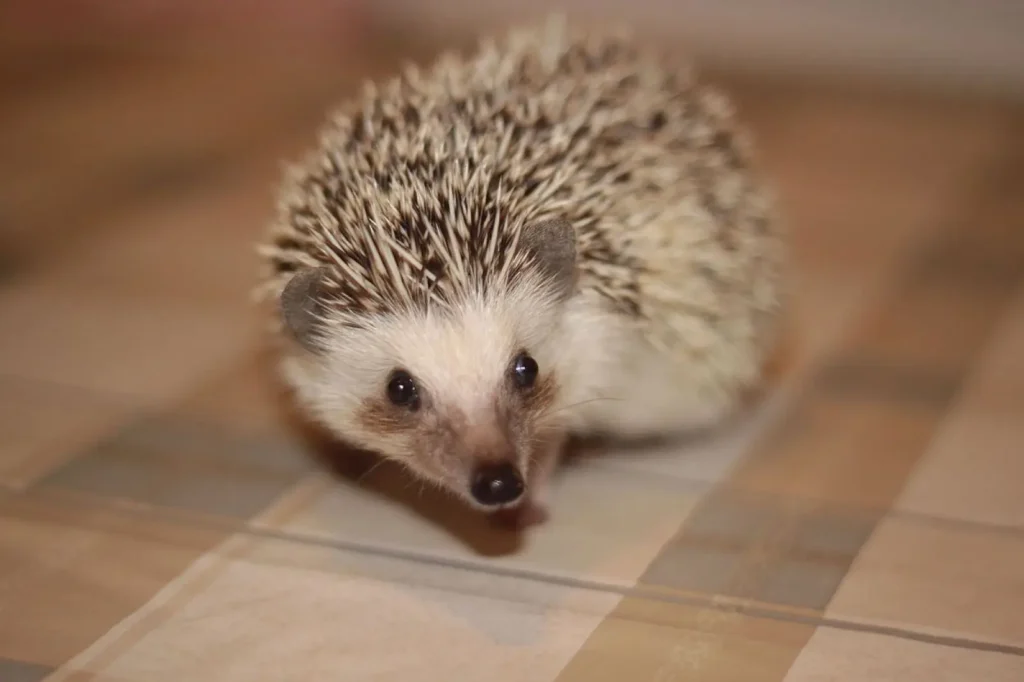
(160, 520)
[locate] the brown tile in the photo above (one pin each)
(652, 641)
(859, 378)
(963, 581)
(43, 426)
(183, 463)
(72, 572)
(116, 344)
(16, 671)
(937, 329)
(841, 452)
(841, 656)
(984, 264)
(763, 549)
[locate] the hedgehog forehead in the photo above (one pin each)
(460, 355)
(455, 354)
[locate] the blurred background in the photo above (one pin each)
(107, 105)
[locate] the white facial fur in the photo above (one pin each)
(461, 362)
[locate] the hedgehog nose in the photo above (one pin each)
(496, 484)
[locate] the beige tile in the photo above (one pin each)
(652, 641)
(975, 469)
(44, 425)
(120, 345)
(283, 611)
(841, 656)
(69, 573)
(967, 582)
(604, 525)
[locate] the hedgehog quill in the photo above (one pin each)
(560, 234)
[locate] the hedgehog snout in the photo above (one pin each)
(496, 484)
(495, 478)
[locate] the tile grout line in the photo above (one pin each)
(139, 512)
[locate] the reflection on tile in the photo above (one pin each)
(186, 464)
(16, 671)
(43, 426)
(151, 353)
(761, 549)
(962, 581)
(645, 640)
(840, 656)
(282, 611)
(71, 573)
(604, 524)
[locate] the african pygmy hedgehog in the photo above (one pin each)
(559, 235)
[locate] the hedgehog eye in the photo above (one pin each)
(402, 390)
(524, 370)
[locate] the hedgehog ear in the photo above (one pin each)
(553, 246)
(301, 306)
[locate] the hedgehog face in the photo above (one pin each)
(463, 398)
(465, 394)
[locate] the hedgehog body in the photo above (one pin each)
(559, 234)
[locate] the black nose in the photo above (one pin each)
(496, 484)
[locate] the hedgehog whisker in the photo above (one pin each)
(368, 472)
(563, 408)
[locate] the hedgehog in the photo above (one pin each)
(559, 235)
